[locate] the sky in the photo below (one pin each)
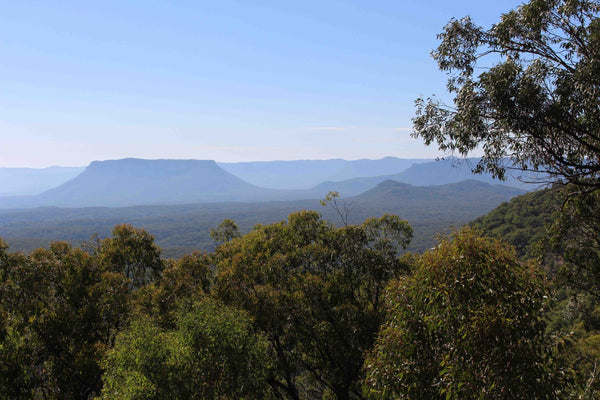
(222, 80)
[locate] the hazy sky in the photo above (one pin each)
(223, 80)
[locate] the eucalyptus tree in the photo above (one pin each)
(526, 92)
(316, 293)
(468, 324)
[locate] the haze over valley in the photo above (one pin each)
(128, 182)
(179, 201)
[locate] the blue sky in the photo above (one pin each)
(223, 80)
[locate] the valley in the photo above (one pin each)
(179, 201)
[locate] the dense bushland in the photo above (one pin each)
(290, 311)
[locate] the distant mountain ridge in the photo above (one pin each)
(432, 173)
(129, 182)
(465, 195)
(451, 170)
(305, 174)
(32, 181)
(137, 181)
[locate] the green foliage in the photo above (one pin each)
(316, 292)
(574, 245)
(560, 226)
(183, 281)
(226, 359)
(3, 248)
(139, 365)
(16, 380)
(576, 240)
(59, 311)
(211, 354)
(226, 231)
(536, 100)
(132, 252)
(467, 325)
(575, 316)
(339, 205)
(388, 233)
(524, 221)
(61, 308)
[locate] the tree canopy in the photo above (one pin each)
(535, 105)
(226, 231)
(316, 292)
(60, 311)
(211, 354)
(132, 252)
(466, 325)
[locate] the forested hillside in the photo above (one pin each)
(524, 220)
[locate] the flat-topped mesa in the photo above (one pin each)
(171, 165)
(134, 181)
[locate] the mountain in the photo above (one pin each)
(523, 220)
(135, 181)
(32, 181)
(183, 228)
(371, 168)
(119, 183)
(452, 169)
(439, 172)
(305, 174)
(351, 187)
(433, 210)
(461, 198)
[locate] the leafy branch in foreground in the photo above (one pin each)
(536, 103)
